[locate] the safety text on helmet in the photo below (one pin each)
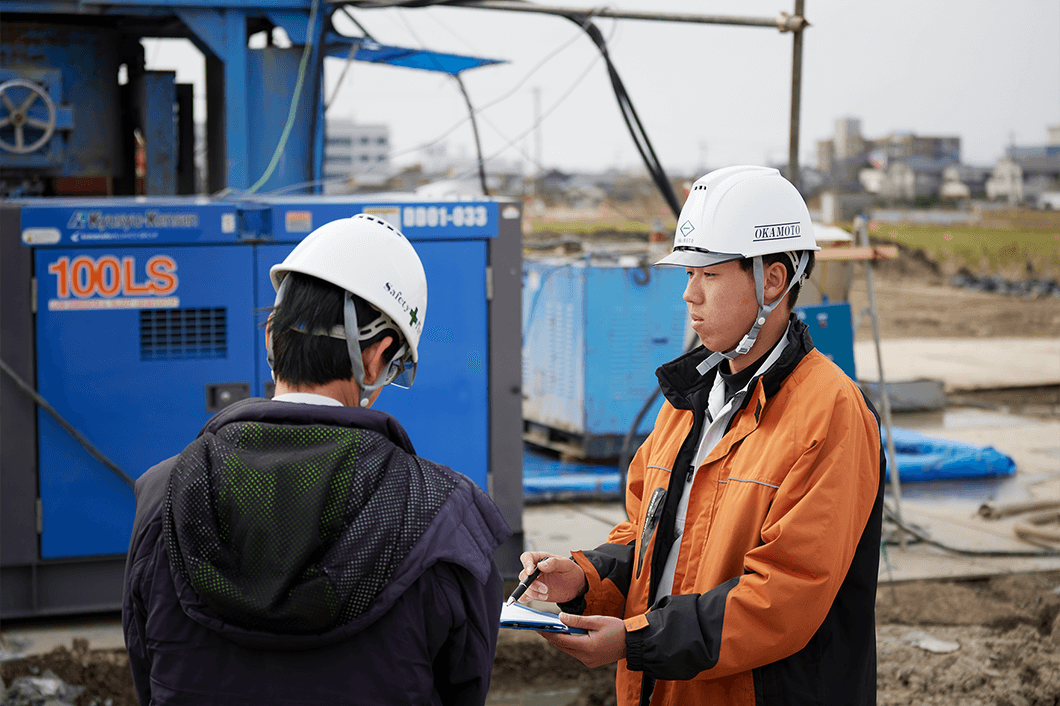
(778, 231)
(413, 312)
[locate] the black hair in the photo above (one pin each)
(748, 266)
(308, 304)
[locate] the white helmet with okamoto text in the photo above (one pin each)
(366, 256)
(738, 213)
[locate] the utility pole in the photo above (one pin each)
(796, 97)
(539, 155)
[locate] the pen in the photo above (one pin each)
(523, 585)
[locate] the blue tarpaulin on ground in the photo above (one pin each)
(925, 458)
(920, 458)
(545, 477)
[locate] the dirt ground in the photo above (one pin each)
(914, 300)
(989, 642)
(984, 642)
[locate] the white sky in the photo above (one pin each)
(987, 71)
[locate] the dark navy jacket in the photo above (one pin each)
(302, 554)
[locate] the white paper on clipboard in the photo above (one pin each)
(518, 617)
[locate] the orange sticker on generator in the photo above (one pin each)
(85, 277)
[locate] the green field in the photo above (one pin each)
(1016, 244)
(1010, 248)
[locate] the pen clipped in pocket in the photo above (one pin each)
(650, 521)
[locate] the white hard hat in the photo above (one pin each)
(366, 256)
(740, 212)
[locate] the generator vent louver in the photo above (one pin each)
(182, 334)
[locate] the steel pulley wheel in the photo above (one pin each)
(24, 105)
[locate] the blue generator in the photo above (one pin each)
(126, 323)
(595, 329)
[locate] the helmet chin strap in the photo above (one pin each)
(764, 310)
(354, 347)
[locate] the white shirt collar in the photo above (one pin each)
(307, 398)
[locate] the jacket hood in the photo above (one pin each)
(302, 524)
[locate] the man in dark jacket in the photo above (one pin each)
(298, 551)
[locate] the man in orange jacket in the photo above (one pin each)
(746, 573)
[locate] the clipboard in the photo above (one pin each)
(518, 617)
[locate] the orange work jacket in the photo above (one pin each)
(774, 592)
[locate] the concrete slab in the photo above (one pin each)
(963, 363)
(33, 639)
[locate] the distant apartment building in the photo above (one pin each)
(355, 155)
(848, 153)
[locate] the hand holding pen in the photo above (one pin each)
(548, 577)
(523, 585)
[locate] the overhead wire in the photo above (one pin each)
(629, 113)
(563, 97)
(354, 46)
(452, 128)
(470, 109)
(633, 123)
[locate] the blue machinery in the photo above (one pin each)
(63, 114)
(137, 319)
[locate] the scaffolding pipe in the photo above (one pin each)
(862, 233)
(796, 97)
(783, 22)
(794, 23)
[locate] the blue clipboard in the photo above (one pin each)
(518, 617)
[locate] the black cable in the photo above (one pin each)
(474, 129)
(354, 20)
(43, 403)
(624, 455)
(629, 113)
(923, 537)
(470, 111)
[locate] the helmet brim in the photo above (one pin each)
(685, 257)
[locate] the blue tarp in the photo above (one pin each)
(545, 477)
(925, 458)
(423, 59)
(920, 458)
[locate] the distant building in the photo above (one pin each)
(961, 181)
(1040, 174)
(356, 153)
(854, 162)
(911, 178)
(1005, 182)
(1025, 173)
